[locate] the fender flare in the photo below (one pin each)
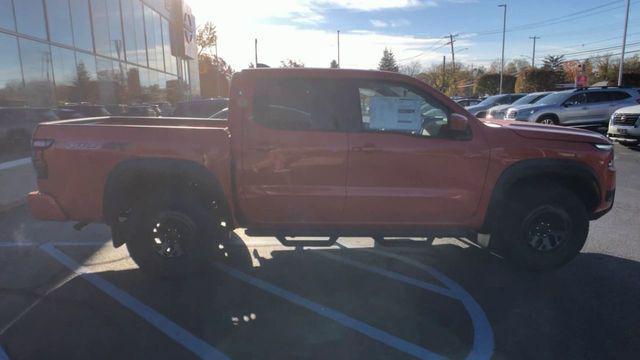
(535, 168)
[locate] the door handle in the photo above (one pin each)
(367, 148)
(264, 147)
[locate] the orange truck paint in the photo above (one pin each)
(309, 179)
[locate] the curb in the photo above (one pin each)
(19, 182)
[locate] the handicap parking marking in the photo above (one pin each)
(341, 318)
(3, 354)
(389, 274)
(483, 339)
(174, 331)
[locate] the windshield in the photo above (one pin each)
(553, 99)
(490, 100)
(528, 99)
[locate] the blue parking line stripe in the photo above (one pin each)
(390, 274)
(3, 355)
(483, 340)
(168, 327)
(341, 318)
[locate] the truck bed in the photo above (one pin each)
(144, 121)
(85, 151)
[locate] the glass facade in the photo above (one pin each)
(104, 52)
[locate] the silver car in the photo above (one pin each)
(624, 126)
(580, 107)
(499, 112)
(480, 110)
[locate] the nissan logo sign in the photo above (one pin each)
(189, 27)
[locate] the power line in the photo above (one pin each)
(432, 48)
(568, 17)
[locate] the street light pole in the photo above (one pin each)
(338, 49)
(624, 45)
(533, 58)
(504, 28)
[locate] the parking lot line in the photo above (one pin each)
(483, 340)
(3, 354)
(168, 327)
(341, 318)
(389, 274)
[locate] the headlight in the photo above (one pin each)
(604, 147)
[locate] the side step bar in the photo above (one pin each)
(316, 243)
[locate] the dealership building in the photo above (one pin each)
(105, 52)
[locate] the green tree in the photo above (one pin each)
(532, 80)
(388, 61)
(334, 64)
(489, 84)
(555, 64)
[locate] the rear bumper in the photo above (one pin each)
(45, 207)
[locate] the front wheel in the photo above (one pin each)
(544, 230)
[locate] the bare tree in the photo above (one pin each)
(289, 63)
(206, 38)
(412, 69)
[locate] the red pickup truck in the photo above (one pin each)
(324, 153)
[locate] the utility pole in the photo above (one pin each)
(217, 69)
(533, 58)
(256, 51)
(444, 73)
(504, 30)
(453, 57)
(624, 45)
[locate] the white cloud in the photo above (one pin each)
(378, 23)
(392, 23)
(239, 22)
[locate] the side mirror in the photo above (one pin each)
(458, 123)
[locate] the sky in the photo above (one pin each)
(415, 30)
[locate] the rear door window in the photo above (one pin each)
(597, 97)
(301, 104)
(618, 95)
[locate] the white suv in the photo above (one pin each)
(624, 125)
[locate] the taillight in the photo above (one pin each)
(38, 147)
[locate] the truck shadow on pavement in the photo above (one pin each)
(588, 309)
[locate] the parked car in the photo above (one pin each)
(325, 153)
(467, 101)
(164, 108)
(580, 107)
(480, 110)
(624, 126)
(222, 114)
(141, 110)
(18, 123)
(86, 110)
(200, 108)
(499, 112)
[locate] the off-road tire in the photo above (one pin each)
(532, 220)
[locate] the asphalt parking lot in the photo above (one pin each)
(68, 294)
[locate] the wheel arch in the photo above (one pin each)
(132, 179)
(551, 115)
(571, 174)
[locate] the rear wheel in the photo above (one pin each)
(548, 120)
(543, 230)
(174, 237)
